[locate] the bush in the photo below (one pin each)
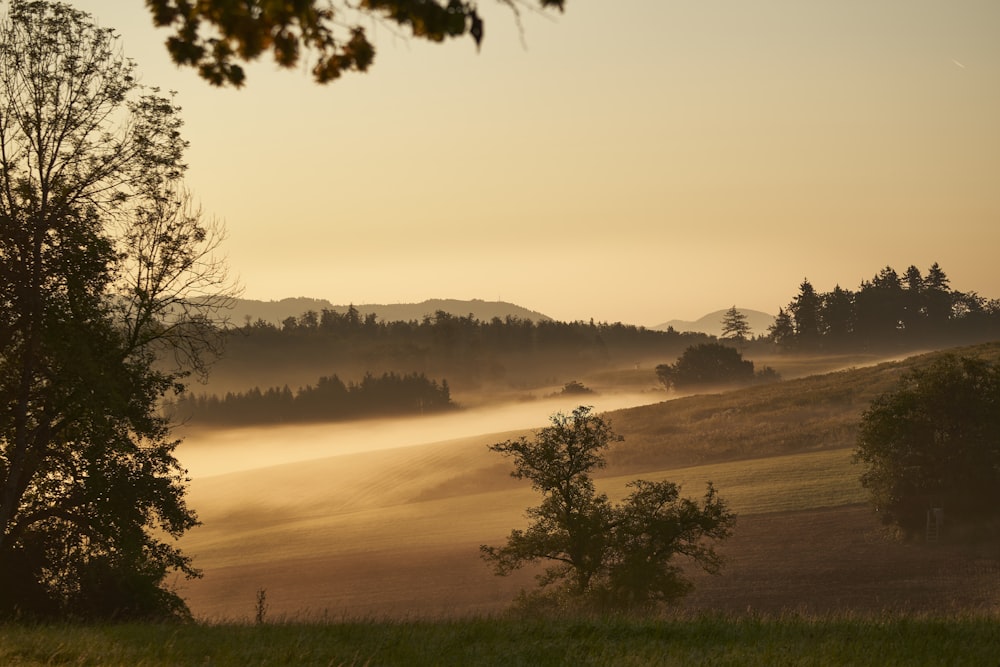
(704, 365)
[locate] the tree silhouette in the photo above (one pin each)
(735, 325)
(105, 268)
(603, 555)
(708, 364)
(933, 442)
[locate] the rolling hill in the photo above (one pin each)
(394, 533)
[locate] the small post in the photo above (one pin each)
(935, 519)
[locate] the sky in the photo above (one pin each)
(630, 161)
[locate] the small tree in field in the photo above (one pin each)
(934, 441)
(603, 555)
(706, 364)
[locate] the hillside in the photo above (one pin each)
(275, 312)
(394, 533)
(711, 324)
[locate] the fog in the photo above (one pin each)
(208, 452)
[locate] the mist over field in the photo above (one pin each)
(208, 452)
(384, 518)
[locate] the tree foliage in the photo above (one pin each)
(887, 312)
(934, 442)
(330, 399)
(735, 325)
(216, 36)
(603, 555)
(104, 265)
(471, 353)
(707, 364)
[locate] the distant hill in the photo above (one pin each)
(276, 311)
(711, 324)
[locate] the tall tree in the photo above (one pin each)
(106, 268)
(837, 317)
(782, 331)
(215, 36)
(805, 311)
(914, 304)
(735, 325)
(938, 299)
(881, 309)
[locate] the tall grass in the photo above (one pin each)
(706, 640)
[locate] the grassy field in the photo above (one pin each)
(745, 641)
(395, 533)
(372, 558)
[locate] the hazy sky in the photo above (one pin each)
(630, 160)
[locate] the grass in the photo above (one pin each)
(705, 640)
(775, 453)
(817, 412)
(772, 484)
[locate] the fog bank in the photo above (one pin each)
(208, 452)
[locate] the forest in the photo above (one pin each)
(329, 400)
(472, 354)
(890, 312)
(372, 366)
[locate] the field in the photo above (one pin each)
(394, 533)
(371, 557)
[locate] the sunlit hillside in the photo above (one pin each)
(394, 531)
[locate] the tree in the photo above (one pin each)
(706, 365)
(214, 36)
(603, 555)
(837, 317)
(735, 325)
(782, 331)
(108, 291)
(805, 311)
(934, 442)
(881, 309)
(939, 300)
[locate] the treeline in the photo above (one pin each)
(330, 399)
(890, 311)
(471, 353)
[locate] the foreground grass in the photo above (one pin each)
(750, 640)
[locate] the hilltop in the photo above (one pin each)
(711, 324)
(275, 312)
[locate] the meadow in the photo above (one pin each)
(370, 557)
(744, 641)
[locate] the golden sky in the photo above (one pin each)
(630, 160)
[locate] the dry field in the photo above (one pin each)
(394, 533)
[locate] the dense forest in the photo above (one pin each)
(889, 312)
